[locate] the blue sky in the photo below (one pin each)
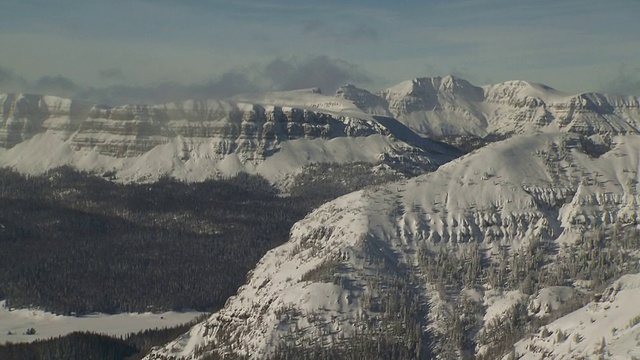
(571, 45)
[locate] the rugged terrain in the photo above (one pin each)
(449, 106)
(274, 135)
(480, 239)
(514, 238)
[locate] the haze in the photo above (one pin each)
(152, 50)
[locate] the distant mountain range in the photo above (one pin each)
(276, 134)
(450, 106)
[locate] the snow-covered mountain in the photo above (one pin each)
(277, 133)
(521, 228)
(450, 106)
(375, 261)
(608, 328)
(272, 134)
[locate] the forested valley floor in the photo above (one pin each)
(75, 243)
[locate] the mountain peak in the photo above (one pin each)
(521, 89)
(363, 99)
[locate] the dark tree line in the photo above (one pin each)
(72, 346)
(328, 181)
(74, 243)
(85, 345)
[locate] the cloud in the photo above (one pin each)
(318, 71)
(9, 81)
(111, 74)
(57, 85)
(625, 82)
(350, 34)
(278, 74)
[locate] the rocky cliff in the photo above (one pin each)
(196, 139)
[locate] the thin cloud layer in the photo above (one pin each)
(278, 74)
(9, 80)
(111, 74)
(626, 82)
(345, 34)
(319, 71)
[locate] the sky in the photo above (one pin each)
(154, 50)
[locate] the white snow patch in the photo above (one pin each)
(614, 319)
(497, 304)
(48, 325)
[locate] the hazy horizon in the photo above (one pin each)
(155, 48)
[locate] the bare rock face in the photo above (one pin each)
(122, 131)
(132, 130)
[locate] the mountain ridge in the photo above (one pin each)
(518, 196)
(521, 229)
(193, 140)
(241, 133)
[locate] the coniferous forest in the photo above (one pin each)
(84, 345)
(74, 243)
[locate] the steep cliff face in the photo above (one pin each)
(24, 115)
(131, 130)
(193, 140)
(249, 129)
(519, 105)
(543, 187)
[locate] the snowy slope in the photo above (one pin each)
(450, 106)
(193, 140)
(542, 186)
(607, 328)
